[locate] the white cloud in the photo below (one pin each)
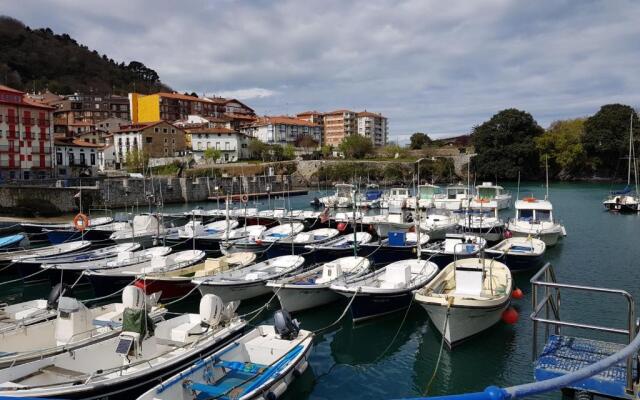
(246, 94)
(432, 66)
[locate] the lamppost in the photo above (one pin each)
(417, 221)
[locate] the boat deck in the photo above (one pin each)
(565, 354)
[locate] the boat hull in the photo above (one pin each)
(300, 299)
(517, 262)
(132, 388)
(229, 293)
(549, 238)
(372, 305)
(170, 288)
(464, 322)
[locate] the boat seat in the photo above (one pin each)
(240, 366)
(468, 283)
(181, 334)
(64, 372)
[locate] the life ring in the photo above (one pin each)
(81, 222)
(244, 198)
(530, 199)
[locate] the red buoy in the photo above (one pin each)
(517, 294)
(342, 226)
(510, 316)
(259, 241)
(507, 234)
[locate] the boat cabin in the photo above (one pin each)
(399, 193)
(532, 209)
(489, 191)
(344, 190)
(427, 192)
(456, 192)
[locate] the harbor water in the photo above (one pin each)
(396, 356)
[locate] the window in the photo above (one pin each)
(166, 151)
(93, 159)
(97, 106)
(164, 130)
(149, 139)
(26, 175)
(82, 159)
(156, 130)
(59, 158)
(200, 145)
(71, 158)
(166, 140)
(173, 130)
(226, 145)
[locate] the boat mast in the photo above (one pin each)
(417, 219)
(630, 149)
(518, 190)
(355, 230)
(546, 168)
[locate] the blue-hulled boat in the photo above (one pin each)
(341, 246)
(453, 247)
(398, 246)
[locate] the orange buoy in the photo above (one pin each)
(517, 294)
(81, 222)
(342, 226)
(510, 316)
(258, 241)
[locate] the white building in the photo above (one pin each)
(232, 144)
(283, 130)
(374, 126)
(75, 157)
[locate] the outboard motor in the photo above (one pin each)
(56, 292)
(74, 321)
(285, 326)
(315, 202)
(211, 310)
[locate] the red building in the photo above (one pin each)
(25, 136)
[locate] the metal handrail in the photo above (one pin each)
(550, 303)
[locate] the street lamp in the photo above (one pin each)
(417, 225)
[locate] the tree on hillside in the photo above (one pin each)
(356, 146)
(606, 136)
(288, 152)
(562, 144)
(326, 151)
(505, 145)
(212, 155)
(419, 140)
(277, 152)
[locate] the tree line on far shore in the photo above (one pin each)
(512, 142)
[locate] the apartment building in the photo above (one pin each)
(338, 125)
(26, 129)
(155, 139)
(283, 130)
(79, 113)
(312, 116)
(174, 107)
(232, 144)
(373, 126)
(77, 157)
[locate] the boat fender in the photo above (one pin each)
(285, 326)
(342, 226)
(56, 292)
(517, 294)
(277, 391)
(300, 368)
(510, 316)
(507, 234)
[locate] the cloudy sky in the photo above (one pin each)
(435, 66)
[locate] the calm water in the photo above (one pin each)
(362, 362)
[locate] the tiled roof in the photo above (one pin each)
(76, 143)
(138, 127)
(212, 130)
(283, 120)
(338, 112)
(368, 114)
(179, 96)
(9, 89)
(240, 116)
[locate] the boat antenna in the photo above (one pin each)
(546, 169)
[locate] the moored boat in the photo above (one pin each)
(248, 282)
(311, 288)
(518, 253)
(298, 243)
(341, 246)
(260, 365)
(467, 297)
(453, 247)
(386, 290)
(267, 238)
(8, 257)
(398, 246)
(17, 241)
(534, 217)
(489, 195)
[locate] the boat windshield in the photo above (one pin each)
(486, 192)
(526, 215)
(543, 215)
(343, 191)
(427, 192)
(452, 193)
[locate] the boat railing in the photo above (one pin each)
(546, 307)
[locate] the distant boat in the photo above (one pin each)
(489, 195)
(14, 241)
(626, 200)
(342, 198)
(534, 217)
(8, 257)
(298, 243)
(455, 197)
(518, 253)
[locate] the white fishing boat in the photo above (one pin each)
(75, 326)
(115, 276)
(198, 229)
(482, 222)
(142, 230)
(395, 199)
(126, 365)
(268, 237)
(391, 222)
(386, 290)
(438, 223)
(14, 316)
(455, 197)
(260, 365)
(428, 195)
(467, 297)
(311, 288)
(342, 198)
(124, 258)
(489, 195)
(534, 217)
(454, 246)
(248, 282)
(341, 246)
(519, 253)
